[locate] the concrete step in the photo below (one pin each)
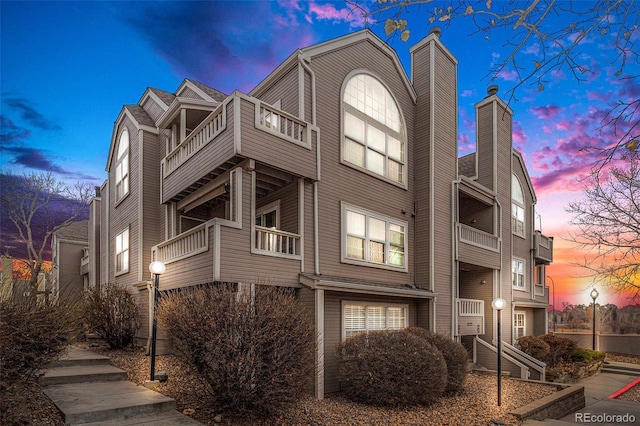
(76, 356)
(82, 373)
(621, 368)
(169, 418)
(106, 401)
(546, 422)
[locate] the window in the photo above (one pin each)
(517, 207)
(122, 252)
(374, 135)
(373, 239)
(122, 166)
(361, 318)
(518, 325)
(268, 217)
(518, 274)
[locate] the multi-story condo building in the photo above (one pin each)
(338, 175)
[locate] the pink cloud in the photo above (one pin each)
(508, 75)
(519, 137)
(548, 112)
(329, 12)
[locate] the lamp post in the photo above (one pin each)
(156, 268)
(553, 312)
(594, 295)
(499, 304)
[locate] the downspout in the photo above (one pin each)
(316, 248)
(455, 288)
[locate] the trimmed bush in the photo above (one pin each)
(455, 356)
(111, 312)
(534, 346)
(586, 355)
(32, 334)
(395, 368)
(255, 349)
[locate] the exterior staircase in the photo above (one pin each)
(613, 367)
(88, 390)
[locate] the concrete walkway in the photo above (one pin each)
(597, 389)
(88, 390)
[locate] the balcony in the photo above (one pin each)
(478, 247)
(542, 248)
(222, 250)
(470, 317)
(241, 127)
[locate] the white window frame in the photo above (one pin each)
(122, 248)
(122, 186)
(517, 327)
(514, 274)
(268, 208)
(365, 261)
(368, 306)
(370, 121)
(518, 212)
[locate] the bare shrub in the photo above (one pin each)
(455, 356)
(32, 334)
(112, 313)
(391, 368)
(534, 346)
(255, 349)
(560, 348)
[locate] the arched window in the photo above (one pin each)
(517, 207)
(122, 166)
(374, 133)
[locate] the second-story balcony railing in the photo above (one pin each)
(189, 243)
(274, 241)
(477, 237)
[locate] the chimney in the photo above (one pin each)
(493, 140)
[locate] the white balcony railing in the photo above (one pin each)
(470, 317)
(282, 124)
(189, 243)
(204, 133)
(470, 307)
(274, 241)
(477, 237)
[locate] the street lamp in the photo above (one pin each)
(594, 295)
(499, 304)
(553, 312)
(156, 268)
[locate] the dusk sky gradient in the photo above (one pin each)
(68, 67)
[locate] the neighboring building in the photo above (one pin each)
(15, 278)
(338, 176)
(69, 256)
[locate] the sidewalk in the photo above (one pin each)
(600, 409)
(88, 390)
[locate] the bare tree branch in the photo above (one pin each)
(38, 205)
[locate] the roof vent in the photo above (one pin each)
(436, 31)
(492, 90)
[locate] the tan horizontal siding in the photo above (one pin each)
(273, 150)
(209, 157)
